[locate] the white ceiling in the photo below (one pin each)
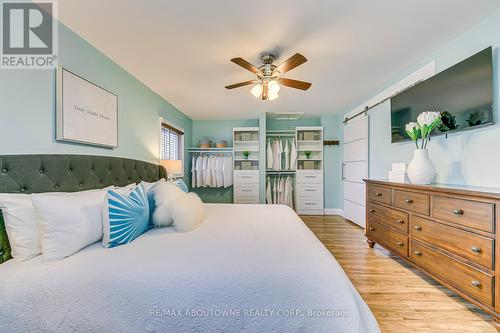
(181, 49)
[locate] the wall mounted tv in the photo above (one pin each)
(462, 93)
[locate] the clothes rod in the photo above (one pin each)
(368, 108)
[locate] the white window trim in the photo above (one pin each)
(181, 148)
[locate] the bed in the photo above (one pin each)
(247, 268)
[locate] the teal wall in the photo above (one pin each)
(273, 124)
(468, 158)
(27, 106)
(218, 129)
(332, 159)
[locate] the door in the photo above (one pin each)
(355, 168)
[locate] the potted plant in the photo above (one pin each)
(246, 153)
(420, 169)
(308, 154)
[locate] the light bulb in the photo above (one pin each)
(274, 87)
(272, 96)
(256, 90)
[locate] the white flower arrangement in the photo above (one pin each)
(426, 122)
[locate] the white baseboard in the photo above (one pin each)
(334, 211)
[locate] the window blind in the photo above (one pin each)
(170, 143)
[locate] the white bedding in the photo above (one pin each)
(247, 268)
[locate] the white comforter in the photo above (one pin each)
(247, 268)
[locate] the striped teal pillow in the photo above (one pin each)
(180, 183)
(125, 217)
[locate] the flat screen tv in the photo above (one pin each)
(462, 93)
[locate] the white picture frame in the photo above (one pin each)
(85, 113)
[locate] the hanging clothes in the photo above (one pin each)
(219, 176)
(293, 156)
(193, 172)
(199, 171)
(286, 154)
(279, 190)
(270, 158)
(227, 171)
(269, 198)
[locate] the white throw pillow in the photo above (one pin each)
(125, 190)
(21, 225)
(68, 221)
(165, 195)
(148, 186)
(188, 212)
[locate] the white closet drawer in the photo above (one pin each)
(304, 204)
(247, 190)
(246, 177)
(246, 200)
(310, 190)
(310, 177)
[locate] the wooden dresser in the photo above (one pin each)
(449, 232)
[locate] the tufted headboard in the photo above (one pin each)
(67, 173)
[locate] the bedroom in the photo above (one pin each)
(290, 223)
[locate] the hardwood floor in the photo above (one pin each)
(401, 298)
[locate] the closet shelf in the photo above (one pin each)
(245, 159)
(210, 150)
(280, 171)
(310, 141)
(245, 142)
(250, 150)
(309, 159)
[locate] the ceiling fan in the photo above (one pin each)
(269, 80)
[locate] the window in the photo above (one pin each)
(171, 143)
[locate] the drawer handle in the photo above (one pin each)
(378, 194)
(458, 212)
(310, 177)
(400, 244)
(243, 190)
(248, 177)
(400, 221)
(310, 204)
(476, 283)
(372, 228)
(408, 201)
(475, 249)
(310, 190)
(417, 227)
(372, 210)
(417, 253)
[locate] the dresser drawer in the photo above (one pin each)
(474, 214)
(392, 240)
(246, 177)
(415, 202)
(310, 176)
(463, 277)
(310, 190)
(389, 217)
(247, 190)
(380, 194)
(476, 248)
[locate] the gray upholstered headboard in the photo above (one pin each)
(67, 173)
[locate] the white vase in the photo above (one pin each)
(421, 170)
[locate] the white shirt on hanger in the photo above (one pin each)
(286, 152)
(193, 172)
(227, 170)
(270, 159)
(219, 177)
(293, 156)
(199, 171)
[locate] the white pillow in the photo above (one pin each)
(188, 212)
(21, 225)
(125, 190)
(68, 221)
(147, 185)
(165, 195)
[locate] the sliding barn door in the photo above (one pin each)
(355, 168)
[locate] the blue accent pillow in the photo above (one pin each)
(125, 217)
(180, 183)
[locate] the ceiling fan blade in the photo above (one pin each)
(294, 83)
(245, 64)
(296, 60)
(241, 84)
(265, 96)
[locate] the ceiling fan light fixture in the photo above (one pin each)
(274, 87)
(256, 90)
(272, 96)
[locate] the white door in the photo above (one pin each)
(355, 168)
